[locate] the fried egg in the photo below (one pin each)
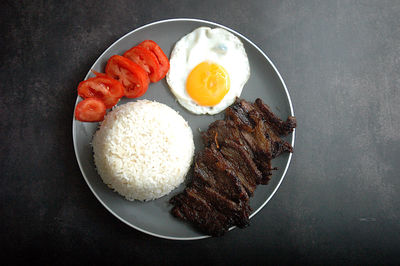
(208, 69)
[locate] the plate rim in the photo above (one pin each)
(177, 20)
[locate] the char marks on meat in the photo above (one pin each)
(236, 158)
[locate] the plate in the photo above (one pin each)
(154, 217)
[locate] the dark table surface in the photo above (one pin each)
(340, 200)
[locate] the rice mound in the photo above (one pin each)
(143, 150)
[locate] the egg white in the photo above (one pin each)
(213, 45)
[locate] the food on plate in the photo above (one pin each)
(147, 60)
(134, 78)
(90, 110)
(237, 158)
(208, 90)
(102, 87)
(143, 150)
(158, 52)
(127, 75)
(208, 69)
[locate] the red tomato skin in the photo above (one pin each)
(102, 87)
(147, 60)
(98, 74)
(161, 57)
(134, 79)
(90, 110)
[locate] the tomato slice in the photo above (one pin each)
(90, 110)
(161, 57)
(98, 74)
(146, 59)
(134, 79)
(102, 87)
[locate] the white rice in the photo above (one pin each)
(143, 150)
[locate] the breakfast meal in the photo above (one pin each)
(128, 75)
(208, 69)
(143, 150)
(237, 158)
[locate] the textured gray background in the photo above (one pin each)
(340, 200)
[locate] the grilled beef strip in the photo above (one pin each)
(237, 213)
(193, 208)
(242, 163)
(227, 131)
(236, 158)
(206, 183)
(221, 131)
(227, 181)
(267, 137)
(255, 139)
(280, 127)
(215, 188)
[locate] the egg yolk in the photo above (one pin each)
(208, 83)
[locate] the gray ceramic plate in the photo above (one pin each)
(153, 217)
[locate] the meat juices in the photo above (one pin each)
(236, 158)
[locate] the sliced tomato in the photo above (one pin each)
(161, 57)
(146, 59)
(102, 87)
(98, 74)
(134, 79)
(90, 110)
